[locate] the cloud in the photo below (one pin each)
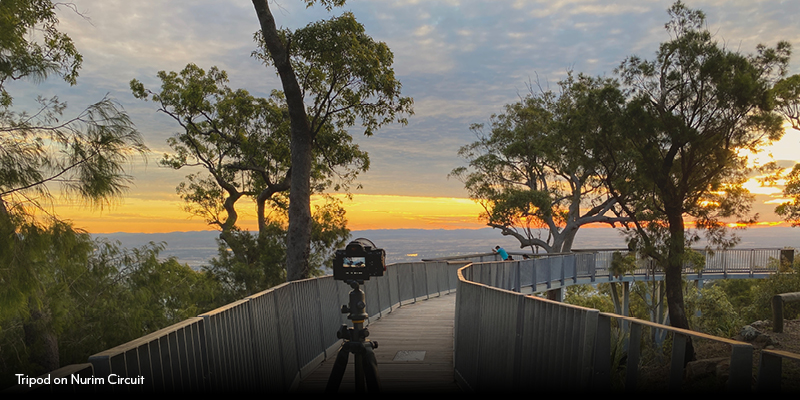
(461, 61)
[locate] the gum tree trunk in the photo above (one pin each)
(298, 246)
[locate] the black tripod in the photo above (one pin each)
(355, 341)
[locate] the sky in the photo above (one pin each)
(461, 62)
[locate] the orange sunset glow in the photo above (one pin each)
(454, 74)
(363, 212)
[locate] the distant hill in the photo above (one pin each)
(403, 245)
(193, 248)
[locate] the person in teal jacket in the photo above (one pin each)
(502, 252)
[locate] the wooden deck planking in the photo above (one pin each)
(423, 326)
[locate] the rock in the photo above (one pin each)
(749, 333)
(714, 371)
(704, 368)
(764, 340)
(762, 325)
(755, 337)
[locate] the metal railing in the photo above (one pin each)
(542, 271)
(503, 339)
(266, 342)
(506, 341)
(509, 341)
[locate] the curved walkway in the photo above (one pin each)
(414, 354)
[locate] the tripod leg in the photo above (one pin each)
(370, 364)
(359, 366)
(339, 366)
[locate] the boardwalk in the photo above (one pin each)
(415, 351)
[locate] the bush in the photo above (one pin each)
(711, 312)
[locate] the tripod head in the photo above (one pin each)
(357, 307)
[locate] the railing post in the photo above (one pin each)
(777, 313)
(741, 368)
(724, 266)
(549, 269)
(769, 373)
(632, 366)
(601, 378)
(777, 308)
(677, 366)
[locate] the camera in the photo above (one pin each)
(358, 261)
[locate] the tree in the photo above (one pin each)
(786, 95)
(790, 210)
(242, 143)
(263, 264)
(41, 153)
(95, 296)
(84, 154)
(535, 170)
(346, 77)
(238, 139)
(675, 152)
(787, 102)
(22, 56)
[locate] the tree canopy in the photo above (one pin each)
(787, 102)
(242, 144)
(333, 73)
(44, 152)
(26, 56)
(675, 152)
(86, 154)
(535, 168)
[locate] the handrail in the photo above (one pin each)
(266, 342)
(519, 348)
(770, 369)
(271, 340)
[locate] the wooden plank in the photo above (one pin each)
(422, 326)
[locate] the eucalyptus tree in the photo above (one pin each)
(675, 153)
(535, 168)
(786, 97)
(787, 102)
(241, 142)
(790, 209)
(27, 56)
(332, 73)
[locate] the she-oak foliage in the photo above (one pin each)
(63, 296)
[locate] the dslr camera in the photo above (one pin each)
(358, 261)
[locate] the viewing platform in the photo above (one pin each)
(442, 326)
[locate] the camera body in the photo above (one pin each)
(358, 261)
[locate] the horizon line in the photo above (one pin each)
(756, 226)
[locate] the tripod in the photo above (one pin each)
(366, 366)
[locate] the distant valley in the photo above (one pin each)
(404, 245)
